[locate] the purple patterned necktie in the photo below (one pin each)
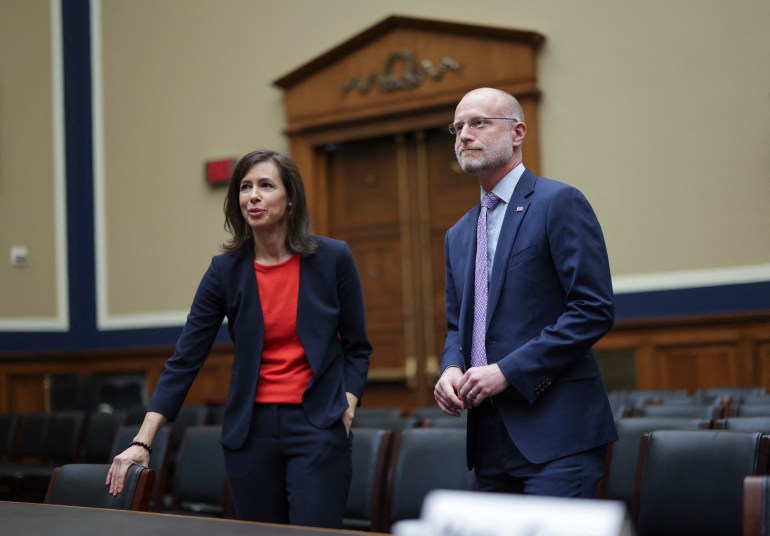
(478, 348)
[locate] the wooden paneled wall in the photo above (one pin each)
(697, 352)
(680, 353)
(25, 379)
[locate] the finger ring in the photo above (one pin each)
(472, 394)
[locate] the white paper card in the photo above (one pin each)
(462, 513)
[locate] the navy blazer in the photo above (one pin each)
(330, 326)
(550, 300)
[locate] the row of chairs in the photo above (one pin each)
(692, 485)
(691, 481)
(394, 419)
(32, 445)
(198, 486)
(683, 488)
(707, 403)
(393, 471)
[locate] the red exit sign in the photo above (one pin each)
(219, 171)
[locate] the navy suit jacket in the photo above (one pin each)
(330, 326)
(550, 300)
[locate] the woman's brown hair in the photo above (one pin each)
(299, 239)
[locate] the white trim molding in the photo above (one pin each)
(708, 277)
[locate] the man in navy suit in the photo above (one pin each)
(539, 420)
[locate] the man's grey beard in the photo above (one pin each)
(494, 155)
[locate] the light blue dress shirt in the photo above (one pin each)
(503, 190)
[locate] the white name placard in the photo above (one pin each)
(462, 513)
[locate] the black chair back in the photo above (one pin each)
(622, 455)
(161, 446)
(424, 459)
(32, 436)
(200, 478)
(384, 422)
(691, 482)
(9, 425)
(84, 485)
(99, 436)
(371, 451)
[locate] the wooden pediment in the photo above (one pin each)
(404, 66)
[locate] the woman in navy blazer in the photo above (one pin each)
(295, 314)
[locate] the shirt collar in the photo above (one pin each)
(504, 189)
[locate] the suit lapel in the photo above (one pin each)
(466, 254)
(514, 215)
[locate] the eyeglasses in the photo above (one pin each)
(475, 123)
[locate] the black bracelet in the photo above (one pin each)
(145, 446)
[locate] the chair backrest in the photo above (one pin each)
(366, 411)
(763, 398)
(733, 392)
(756, 506)
(99, 436)
(190, 415)
(161, 446)
(32, 436)
(446, 421)
(424, 459)
(83, 484)
(744, 424)
(750, 410)
(9, 425)
(384, 422)
(622, 455)
(691, 482)
(696, 410)
(199, 476)
(427, 412)
(371, 452)
(65, 432)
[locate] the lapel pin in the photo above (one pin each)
(519, 209)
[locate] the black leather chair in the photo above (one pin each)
(371, 453)
(633, 400)
(447, 421)
(60, 444)
(99, 436)
(84, 485)
(622, 455)
(384, 422)
(9, 425)
(691, 482)
(427, 412)
(735, 393)
(189, 415)
(707, 411)
(744, 424)
(161, 446)
(28, 448)
(32, 433)
(763, 398)
(366, 411)
(424, 459)
(746, 409)
(200, 480)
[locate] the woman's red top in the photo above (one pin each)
(284, 373)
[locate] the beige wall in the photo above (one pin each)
(31, 203)
(659, 111)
